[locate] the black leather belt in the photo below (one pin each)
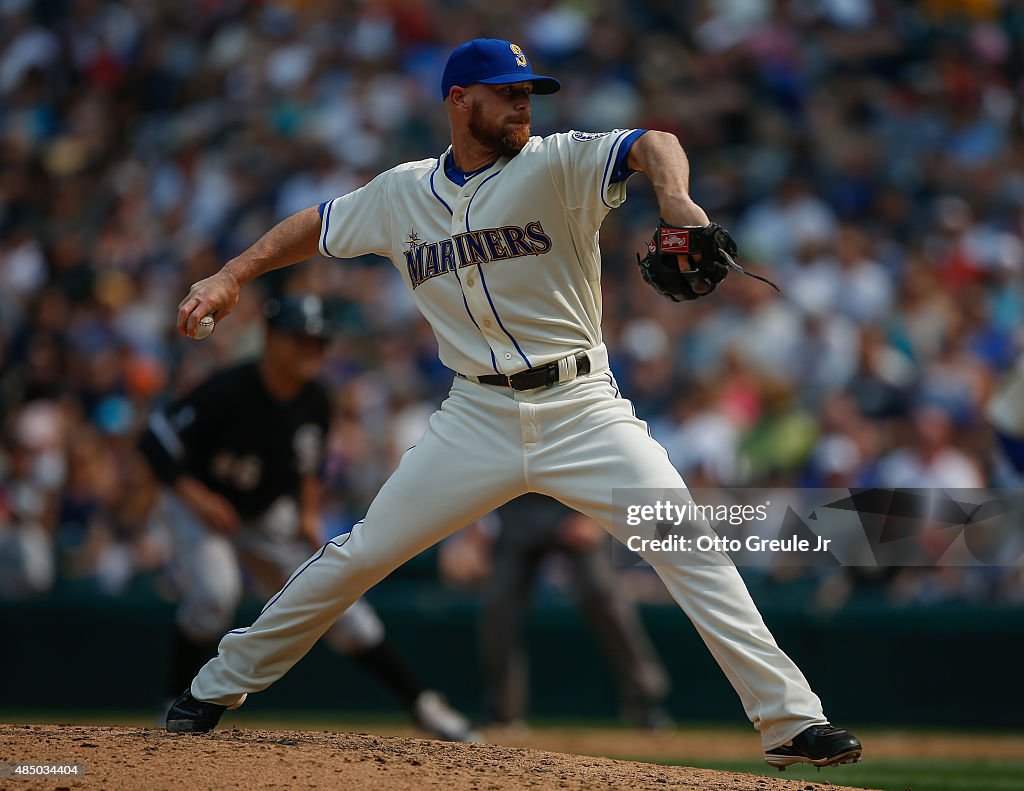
(543, 376)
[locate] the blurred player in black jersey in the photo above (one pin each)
(239, 459)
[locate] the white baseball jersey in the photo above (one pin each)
(506, 283)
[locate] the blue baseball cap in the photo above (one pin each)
(492, 61)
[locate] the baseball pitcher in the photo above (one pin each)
(497, 241)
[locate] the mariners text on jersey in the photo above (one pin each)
(475, 247)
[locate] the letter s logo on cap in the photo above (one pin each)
(520, 57)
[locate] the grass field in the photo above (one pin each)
(919, 760)
(894, 775)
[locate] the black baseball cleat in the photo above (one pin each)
(188, 715)
(819, 745)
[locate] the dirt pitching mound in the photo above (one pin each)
(254, 760)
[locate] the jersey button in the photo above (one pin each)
(470, 282)
(487, 322)
(508, 355)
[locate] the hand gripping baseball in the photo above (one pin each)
(216, 295)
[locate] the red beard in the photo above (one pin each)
(507, 139)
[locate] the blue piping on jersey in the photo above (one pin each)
(487, 291)
(608, 164)
(440, 199)
(494, 362)
(483, 280)
(622, 171)
(325, 212)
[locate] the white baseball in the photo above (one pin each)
(204, 328)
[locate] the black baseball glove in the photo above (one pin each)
(709, 251)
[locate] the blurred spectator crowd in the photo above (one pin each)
(868, 155)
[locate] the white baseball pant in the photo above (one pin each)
(485, 446)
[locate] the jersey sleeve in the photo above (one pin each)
(587, 167)
(359, 222)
